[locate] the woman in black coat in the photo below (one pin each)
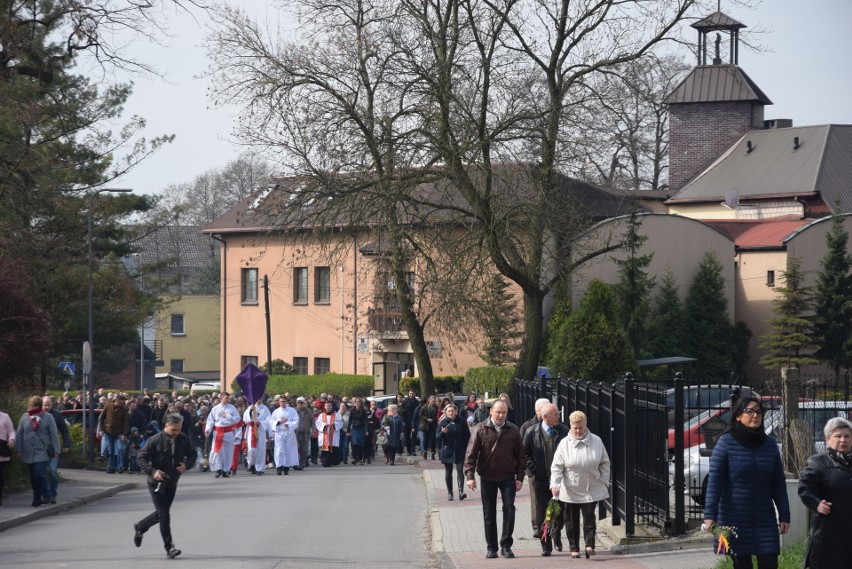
(825, 488)
(453, 435)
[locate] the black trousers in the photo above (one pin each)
(448, 476)
(161, 515)
(410, 438)
(571, 513)
(763, 561)
(540, 490)
(489, 511)
(2, 478)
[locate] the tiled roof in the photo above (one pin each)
(717, 83)
(776, 168)
(167, 244)
(758, 234)
(429, 200)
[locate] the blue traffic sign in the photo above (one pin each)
(67, 367)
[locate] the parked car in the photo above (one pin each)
(199, 386)
(696, 460)
(382, 401)
(698, 398)
(693, 429)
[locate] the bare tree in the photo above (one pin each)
(501, 78)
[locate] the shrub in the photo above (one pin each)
(491, 379)
(443, 384)
(341, 384)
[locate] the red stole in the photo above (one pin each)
(328, 430)
(220, 435)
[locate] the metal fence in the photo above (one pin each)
(659, 472)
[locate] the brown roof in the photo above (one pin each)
(758, 234)
(717, 21)
(265, 210)
(717, 83)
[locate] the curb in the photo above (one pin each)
(37, 514)
(662, 546)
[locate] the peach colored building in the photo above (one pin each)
(328, 307)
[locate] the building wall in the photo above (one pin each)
(198, 347)
(755, 296)
(335, 331)
(700, 132)
(754, 210)
(677, 243)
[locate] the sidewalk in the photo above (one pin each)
(458, 536)
(76, 488)
(457, 533)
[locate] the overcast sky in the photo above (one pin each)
(807, 74)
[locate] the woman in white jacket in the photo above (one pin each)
(579, 476)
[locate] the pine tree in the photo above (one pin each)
(790, 342)
(500, 324)
(596, 348)
(633, 291)
(556, 334)
(713, 341)
(833, 300)
(667, 326)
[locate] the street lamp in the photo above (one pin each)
(91, 315)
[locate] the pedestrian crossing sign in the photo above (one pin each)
(67, 367)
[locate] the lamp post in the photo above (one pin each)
(91, 315)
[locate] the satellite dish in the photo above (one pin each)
(732, 198)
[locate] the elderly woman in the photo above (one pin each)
(826, 488)
(579, 476)
(745, 487)
(37, 441)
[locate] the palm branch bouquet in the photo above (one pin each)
(552, 515)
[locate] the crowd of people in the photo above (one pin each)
(566, 464)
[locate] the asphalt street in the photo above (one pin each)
(364, 516)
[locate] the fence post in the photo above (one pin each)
(679, 478)
(629, 456)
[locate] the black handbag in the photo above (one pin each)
(4, 448)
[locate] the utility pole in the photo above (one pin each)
(268, 328)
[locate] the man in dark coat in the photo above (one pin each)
(531, 422)
(166, 456)
(540, 442)
(408, 412)
(496, 453)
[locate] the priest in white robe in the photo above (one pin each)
(283, 424)
(222, 421)
(329, 424)
(257, 432)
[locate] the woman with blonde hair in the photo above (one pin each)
(510, 416)
(579, 476)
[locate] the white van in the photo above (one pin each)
(205, 386)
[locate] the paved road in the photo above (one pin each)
(365, 516)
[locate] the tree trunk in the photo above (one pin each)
(528, 358)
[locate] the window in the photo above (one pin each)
(177, 325)
(300, 285)
(246, 360)
(409, 281)
(770, 278)
(322, 366)
(300, 365)
(322, 285)
(175, 366)
(249, 286)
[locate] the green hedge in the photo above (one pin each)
(491, 379)
(340, 384)
(443, 384)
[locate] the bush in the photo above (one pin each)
(491, 379)
(443, 384)
(350, 385)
